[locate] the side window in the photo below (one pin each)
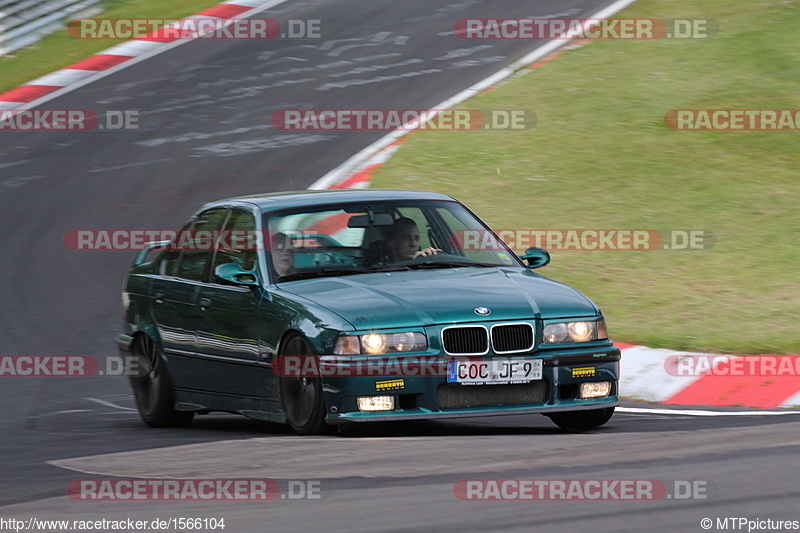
(469, 242)
(237, 245)
(197, 249)
(173, 253)
(456, 228)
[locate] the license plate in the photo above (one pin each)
(494, 371)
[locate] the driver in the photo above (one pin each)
(282, 254)
(404, 240)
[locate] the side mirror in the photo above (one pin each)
(536, 257)
(234, 274)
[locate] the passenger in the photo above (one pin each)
(282, 254)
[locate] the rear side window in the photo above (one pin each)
(172, 256)
(196, 251)
(235, 246)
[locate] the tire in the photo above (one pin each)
(302, 397)
(152, 388)
(582, 420)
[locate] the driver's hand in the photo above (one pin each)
(426, 252)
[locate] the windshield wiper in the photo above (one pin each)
(323, 272)
(330, 272)
(450, 264)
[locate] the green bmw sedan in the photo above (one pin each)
(319, 309)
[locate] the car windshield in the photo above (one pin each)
(380, 237)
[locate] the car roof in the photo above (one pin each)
(281, 200)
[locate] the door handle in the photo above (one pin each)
(205, 302)
(159, 296)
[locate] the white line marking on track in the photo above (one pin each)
(700, 412)
(18, 181)
(129, 166)
(109, 404)
(61, 413)
(63, 77)
(15, 163)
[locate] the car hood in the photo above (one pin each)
(422, 298)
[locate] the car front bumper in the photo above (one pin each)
(428, 397)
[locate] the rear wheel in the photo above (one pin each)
(152, 387)
(302, 397)
(582, 420)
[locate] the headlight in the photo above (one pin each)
(579, 331)
(582, 331)
(374, 343)
(378, 343)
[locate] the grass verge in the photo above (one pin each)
(601, 157)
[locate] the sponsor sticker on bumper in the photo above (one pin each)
(584, 372)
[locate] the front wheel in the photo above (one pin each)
(152, 387)
(582, 420)
(302, 397)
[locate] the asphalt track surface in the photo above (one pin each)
(206, 108)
